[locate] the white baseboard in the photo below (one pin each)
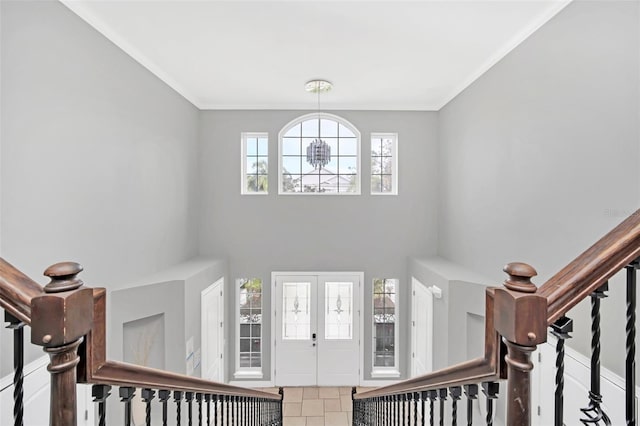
(252, 383)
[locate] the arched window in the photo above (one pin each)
(319, 154)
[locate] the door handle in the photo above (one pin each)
(313, 337)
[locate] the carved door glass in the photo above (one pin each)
(338, 310)
(296, 324)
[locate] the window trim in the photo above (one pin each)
(386, 372)
(243, 161)
(320, 115)
(394, 174)
(248, 372)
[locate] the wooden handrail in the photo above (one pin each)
(96, 369)
(123, 374)
(592, 268)
(17, 291)
(488, 368)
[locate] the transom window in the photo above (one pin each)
(384, 163)
(255, 163)
(301, 173)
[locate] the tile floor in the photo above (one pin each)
(312, 406)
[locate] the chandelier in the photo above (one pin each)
(318, 152)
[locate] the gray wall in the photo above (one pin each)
(98, 156)
(374, 234)
(539, 157)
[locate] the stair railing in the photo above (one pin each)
(517, 318)
(68, 319)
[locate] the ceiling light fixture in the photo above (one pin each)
(318, 151)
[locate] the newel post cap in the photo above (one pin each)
(520, 275)
(520, 315)
(64, 277)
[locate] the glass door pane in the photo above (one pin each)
(296, 300)
(338, 309)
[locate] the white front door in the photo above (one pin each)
(317, 330)
(421, 329)
(212, 312)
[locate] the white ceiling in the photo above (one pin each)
(386, 55)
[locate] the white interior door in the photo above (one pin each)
(338, 331)
(421, 329)
(212, 329)
(317, 330)
(296, 330)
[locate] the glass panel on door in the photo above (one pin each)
(296, 300)
(338, 317)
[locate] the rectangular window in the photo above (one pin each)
(385, 328)
(249, 347)
(255, 163)
(384, 163)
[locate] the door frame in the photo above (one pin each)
(272, 342)
(217, 284)
(414, 284)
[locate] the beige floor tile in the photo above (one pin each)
(310, 393)
(292, 409)
(325, 393)
(312, 407)
(336, 419)
(346, 402)
(293, 394)
(315, 421)
(332, 405)
(294, 421)
(345, 391)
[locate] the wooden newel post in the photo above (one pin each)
(520, 317)
(59, 320)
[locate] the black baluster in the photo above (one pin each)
(416, 397)
(442, 396)
(396, 398)
(215, 399)
(164, 396)
(188, 396)
(147, 397)
(100, 393)
(490, 390)
(126, 395)
(177, 397)
(207, 400)
(471, 392)
(594, 413)
(199, 401)
(561, 329)
(423, 398)
(18, 365)
(432, 395)
(227, 400)
(455, 392)
(630, 361)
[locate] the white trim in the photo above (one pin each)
(243, 159)
(514, 42)
(394, 174)
(32, 367)
(217, 284)
(360, 276)
(381, 373)
(248, 372)
(321, 115)
(429, 107)
(89, 17)
(378, 383)
(252, 383)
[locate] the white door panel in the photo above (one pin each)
(212, 311)
(317, 330)
(296, 331)
(422, 330)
